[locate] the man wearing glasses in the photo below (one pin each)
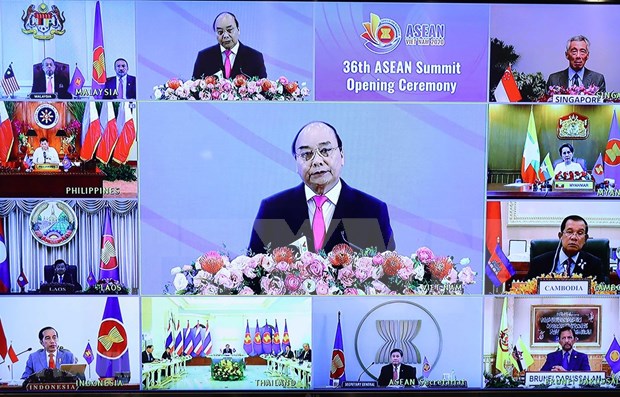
(323, 209)
(569, 257)
(577, 53)
(229, 56)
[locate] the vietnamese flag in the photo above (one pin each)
(91, 131)
(109, 134)
(6, 134)
(127, 133)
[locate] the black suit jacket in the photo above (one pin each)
(305, 355)
(227, 351)
(146, 358)
(290, 354)
(248, 62)
(283, 218)
(405, 373)
(578, 361)
(61, 84)
(544, 264)
(589, 77)
(67, 279)
(110, 88)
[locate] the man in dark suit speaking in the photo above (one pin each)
(121, 86)
(397, 373)
(577, 53)
(51, 81)
(569, 258)
(323, 209)
(566, 359)
(230, 56)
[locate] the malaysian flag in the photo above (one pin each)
(9, 82)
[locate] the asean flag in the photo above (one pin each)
(91, 131)
(99, 74)
(337, 368)
(6, 134)
(109, 136)
(127, 133)
(247, 339)
(112, 348)
(267, 339)
(108, 266)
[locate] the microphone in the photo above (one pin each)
(365, 369)
(241, 71)
(18, 354)
(44, 156)
(350, 243)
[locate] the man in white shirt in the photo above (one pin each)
(45, 153)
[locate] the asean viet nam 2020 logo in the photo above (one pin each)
(382, 35)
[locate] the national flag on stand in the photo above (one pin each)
(257, 344)
(112, 341)
(613, 356)
(12, 356)
(5, 273)
(507, 89)
(99, 74)
(3, 345)
(109, 133)
(66, 163)
(169, 337)
(108, 266)
(426, 368)
(91, 131)
(91, 280)
(598, 172)
(247, 339)
(285, 338)
(88, 354)
(77, 82)
(276, 343)
(612, 152)
(188, 340)
(267, 348)
(546, 169)
(22, 280)
(503, 341)
(178, 341)
(6, 134)
(208, 343)
(9, 82)
(28, 163)
(198, 340)
(498, 268)
(337, 368)
(530, 164)
(521, 357)
(127, 133)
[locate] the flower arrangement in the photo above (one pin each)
(108, 286)
(573, 90)
(239, 88)
(227, 370)
(73, 130)
(341, 272)
(573, 176)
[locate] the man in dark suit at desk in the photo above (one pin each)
(324, 209)
(577, 53)
(569, 258)
(121, 86)
(147, 355)
(396, 373)
(62, 277)
(566, 359)
(306, 353)
(230, 56)
(51, 80)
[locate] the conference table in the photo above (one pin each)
(524, 191)
(291, 369)
(156, 375)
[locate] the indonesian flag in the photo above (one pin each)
(91, 131)
(530, 164)
(110, 133)
(127, 135)
(507, 90)
(6, 134)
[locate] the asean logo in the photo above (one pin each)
(46, 116)
(382, 35)
(614, 356)
(612, 152)
(112, 340)
(99, 65)
(337, 367)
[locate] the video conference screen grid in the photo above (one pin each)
(430, 165)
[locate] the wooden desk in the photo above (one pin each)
(74, 183)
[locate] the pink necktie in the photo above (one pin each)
(318, 223)
(120, 88)
(395, 373)
(50, 89)
(227, 64)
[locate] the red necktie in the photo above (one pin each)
(318, 223)
(52, 362)
(227, 66)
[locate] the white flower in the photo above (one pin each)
(180, 281)
(158, 93)
(175, 270)
(309, 285)
(465, 261)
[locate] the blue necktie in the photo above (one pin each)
(565, 361)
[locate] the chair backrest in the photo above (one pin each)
(598, 247)
(581, 161)
(61, 68)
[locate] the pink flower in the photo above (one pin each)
(292, 282)
(346, 276)
(467, 275)
(246, 291)
(223, 278)
(265, 262)
(316, 268)
(377, 260)
(322, 288)
(210, 289)
(363, 273)
(451, 277)
(380, 287)
(215, 94)
(425, 255)
(236, 278)
(283, 80)
(351, 291)
(282, 266)
(272, 286)
(226, 86)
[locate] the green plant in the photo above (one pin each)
(531, 85)
(502, 55)
(115, 172)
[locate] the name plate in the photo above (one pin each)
(571, 186)
(41, 95)
(565, 98)
(46, 167)
(563, 287)
(358, 384)
(573, 378)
